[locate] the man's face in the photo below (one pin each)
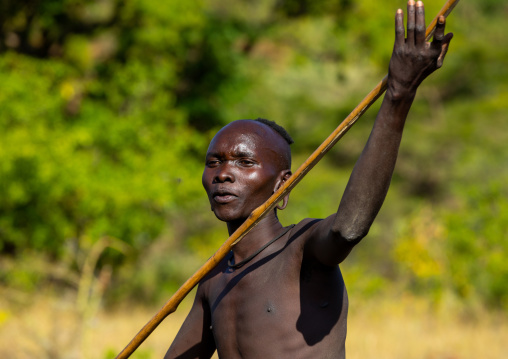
(242, 169)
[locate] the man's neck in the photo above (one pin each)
(267, 229)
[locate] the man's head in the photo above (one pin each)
(284, 134)
(246, 162)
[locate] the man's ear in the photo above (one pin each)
(283, 178)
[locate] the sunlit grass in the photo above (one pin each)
(410, 327)
(406, 327)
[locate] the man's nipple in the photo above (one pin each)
(270, 308)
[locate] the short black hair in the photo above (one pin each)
(277, 128)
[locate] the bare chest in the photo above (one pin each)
(267, 287)
(271, 307)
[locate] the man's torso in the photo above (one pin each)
(278, 305)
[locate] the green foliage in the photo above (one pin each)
(88, 154)
(459, 251)
(477, 233)
(106, 109)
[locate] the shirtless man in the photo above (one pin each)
(280, 293)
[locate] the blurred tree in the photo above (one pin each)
(92, 141)
(106, 108)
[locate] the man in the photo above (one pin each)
(280, 293)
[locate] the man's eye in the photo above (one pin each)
(212, 163)
(246, 163)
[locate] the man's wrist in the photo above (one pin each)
(400, 93)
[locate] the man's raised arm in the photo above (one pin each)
(413, 59)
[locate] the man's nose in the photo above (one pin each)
(224, 173)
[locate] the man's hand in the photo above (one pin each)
(413, 58)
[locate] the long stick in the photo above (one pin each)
(261, 211)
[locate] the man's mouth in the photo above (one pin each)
(223, 197)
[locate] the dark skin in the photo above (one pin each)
(290, 301)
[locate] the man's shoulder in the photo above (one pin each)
(214, 274)
(307, 226)
(303, 231)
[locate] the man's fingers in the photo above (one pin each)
(399, 29)
(444, 49)
(441, 41)
(411, 22)
(441, 57)
(439, 32)
(420, 24)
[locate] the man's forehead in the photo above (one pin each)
(236, 148)
(246, 127)
(242, 135)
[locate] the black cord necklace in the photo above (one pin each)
(240, 264)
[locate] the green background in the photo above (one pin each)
(107, 108)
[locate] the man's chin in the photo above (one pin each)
(228, 217)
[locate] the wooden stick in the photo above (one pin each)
(261, 211)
